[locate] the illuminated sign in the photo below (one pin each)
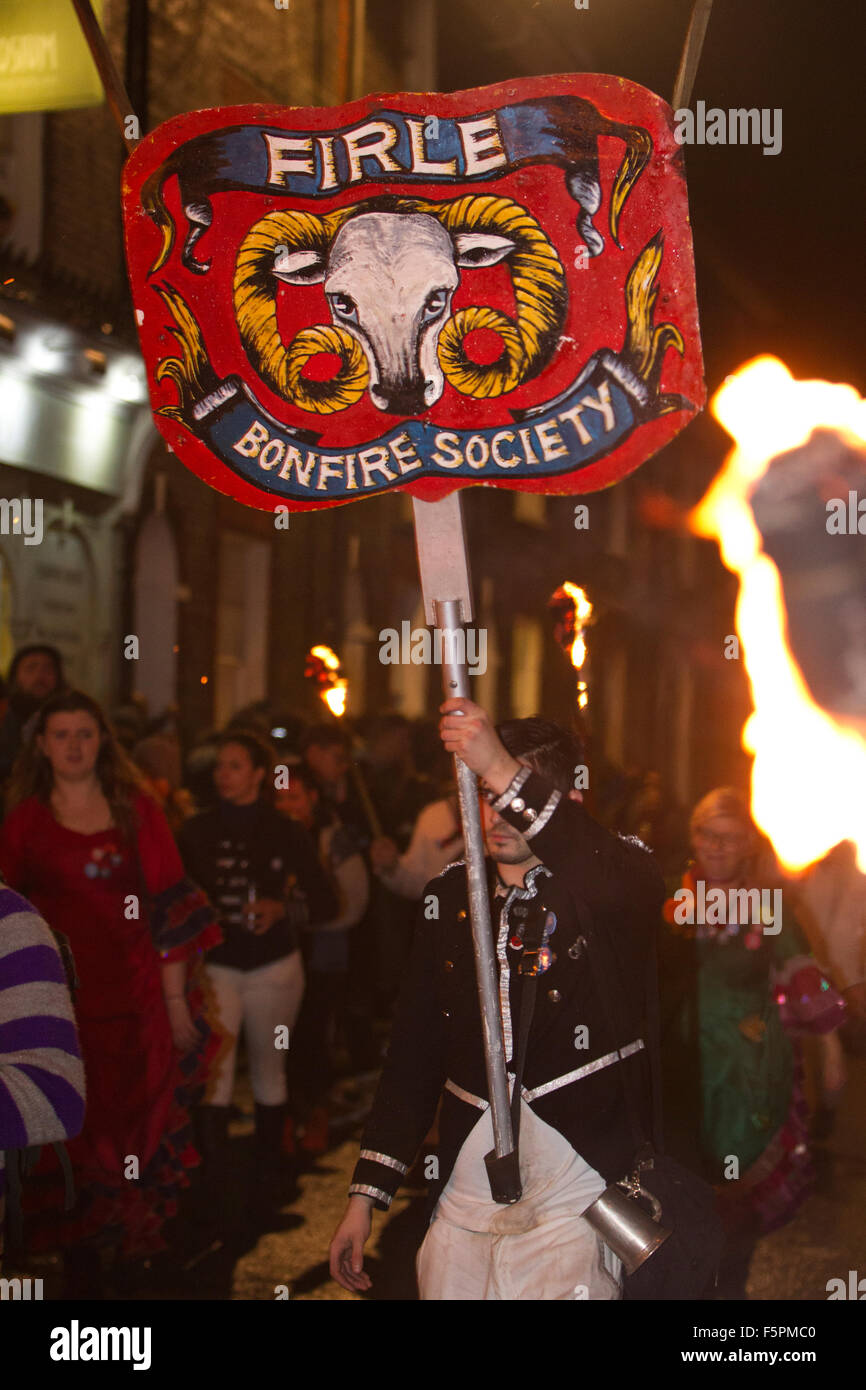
(45, 64)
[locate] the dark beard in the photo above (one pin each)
(513, 852)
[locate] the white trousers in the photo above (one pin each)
(259, 1001)
(538, 1249)
(560, 1261)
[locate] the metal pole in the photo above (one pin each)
(691, 54)
(455, 682)
(115, 92)
(444, 569)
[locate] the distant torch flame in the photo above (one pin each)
(582, 614)
(573, 611)
(323, 666)
(336, 699)
(809, 770)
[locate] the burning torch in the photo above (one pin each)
(322, 666)
(572, 613)
(782, 513)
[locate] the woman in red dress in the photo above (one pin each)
(93, 852)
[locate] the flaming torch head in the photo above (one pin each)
(798, 447)
(323, 667)
(572, 611)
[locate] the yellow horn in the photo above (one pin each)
(256, 314)
(645, 343)
(539, 286)
(638, 148)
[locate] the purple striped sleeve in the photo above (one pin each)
(37, 1031)
(12, 902)
(68, 1103)
(12, 1126)
(33, 964)
(41, 1072)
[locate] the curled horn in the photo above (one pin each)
(154, 205)
(646, 344)
(638, 148)
(539, 286)
(536, 273)
(255, 306)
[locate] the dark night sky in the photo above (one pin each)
(779, 240)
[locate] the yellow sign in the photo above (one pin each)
(45, 64)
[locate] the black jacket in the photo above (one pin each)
(229, 850)
(437, 1031)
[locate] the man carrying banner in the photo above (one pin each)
(545, 852)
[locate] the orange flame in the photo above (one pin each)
(333, 688)
(582, 615)
(335, 698)
(328, 657)
(809, 770)
(582, 612)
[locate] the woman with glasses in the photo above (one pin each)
(737, 986)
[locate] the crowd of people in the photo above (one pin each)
(164, 905)
(232, 894)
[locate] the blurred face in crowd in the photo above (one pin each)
(71, 744)
(236, 777)
(329, 762)
(36, 675)
(722, 845)
(296, 801)
(391, 747)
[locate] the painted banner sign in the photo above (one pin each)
(419, 292)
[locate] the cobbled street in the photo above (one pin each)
(824, 1241)
(286, 1255)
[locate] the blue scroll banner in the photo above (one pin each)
(601, 408)
(553, 130)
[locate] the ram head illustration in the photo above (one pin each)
(389, 268)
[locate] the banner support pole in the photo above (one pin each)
(691, 54)
(115, 92)
(445, 583)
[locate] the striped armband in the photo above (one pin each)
(500, 802)
(377, 1175)
(528, 803)
(386, 1159)
(538, 820)
(381, 1198)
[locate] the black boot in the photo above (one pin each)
(267, 1158)
(211, 1186)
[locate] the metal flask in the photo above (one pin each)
(632, 1233)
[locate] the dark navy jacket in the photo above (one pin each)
(436, 1045)
(228, 849)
